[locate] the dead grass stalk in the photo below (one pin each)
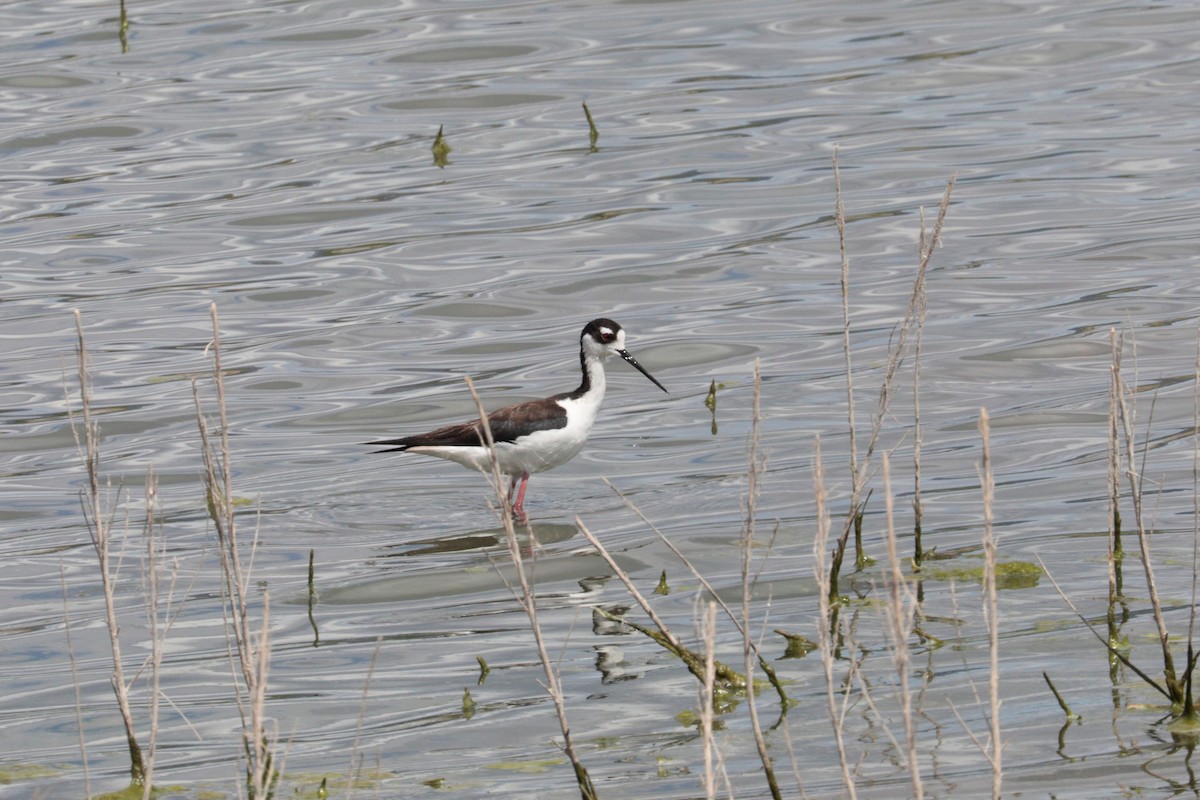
(99, 521)
(528, 601)
(860, 471)
(990, 609)
(250, 649)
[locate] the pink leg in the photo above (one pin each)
(517, 508)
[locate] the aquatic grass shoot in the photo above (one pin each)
(593, 131)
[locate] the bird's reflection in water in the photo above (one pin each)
(543, 533)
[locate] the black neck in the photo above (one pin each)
(585, 384)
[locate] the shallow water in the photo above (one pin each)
(275, 158)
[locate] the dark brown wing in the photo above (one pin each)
(507, 424)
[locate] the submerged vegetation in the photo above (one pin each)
(884, 591)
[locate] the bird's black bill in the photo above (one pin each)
(633, 361)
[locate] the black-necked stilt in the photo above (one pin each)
(537, 435)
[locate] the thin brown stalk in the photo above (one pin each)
(747, 548)
(897, 350)
(355, 755)
(156, 641)
(763, 664)
(99, 524)
(708, 634)
(528, 602)
(161, 613)
(1195, 491)
(855, 675)
(1115, 550)
(1109, 645)
(1114, 445)
(990, 612)
(901, 614)
(1188, 713)
(714, 761)
(266, 772)
(663, 635)
(837, 717)
(794, 759)
(1189, 709)
(926, 250)
(854, 515)
(249, 649)
(87, 775)
(840, 218)
(1134, 475)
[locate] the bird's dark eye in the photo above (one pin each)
(606, 335)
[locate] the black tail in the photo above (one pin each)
(390, 445)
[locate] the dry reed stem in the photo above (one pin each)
(901, 616)
(263, 777)
(1113, 651)
(763, 663)
(926, 245)
(856, 479)
(791, 750)
(528, 602)
(249, 650)
(840, 218)
(663, 636)
(1191, 650)
(161, 612)
(156, 642)
(897, 348)
(899, 623)
(99, 525)
(1135, 475)
(747, 548)
(708, 634)
(1114, 443)
(87, 775)
(990, 612)
(1115, 550)
(355, 755)
(837, 717)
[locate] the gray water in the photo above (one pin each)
(274, 158)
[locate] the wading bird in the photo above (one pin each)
(537, 435)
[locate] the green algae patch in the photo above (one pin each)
(798, 646)
(532, 767)
(16, 773)
(319, 785)
(1185, 726)
(134, 791)
(1009, 574)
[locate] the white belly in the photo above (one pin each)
(535, 452)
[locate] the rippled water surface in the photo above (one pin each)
(275, 158)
